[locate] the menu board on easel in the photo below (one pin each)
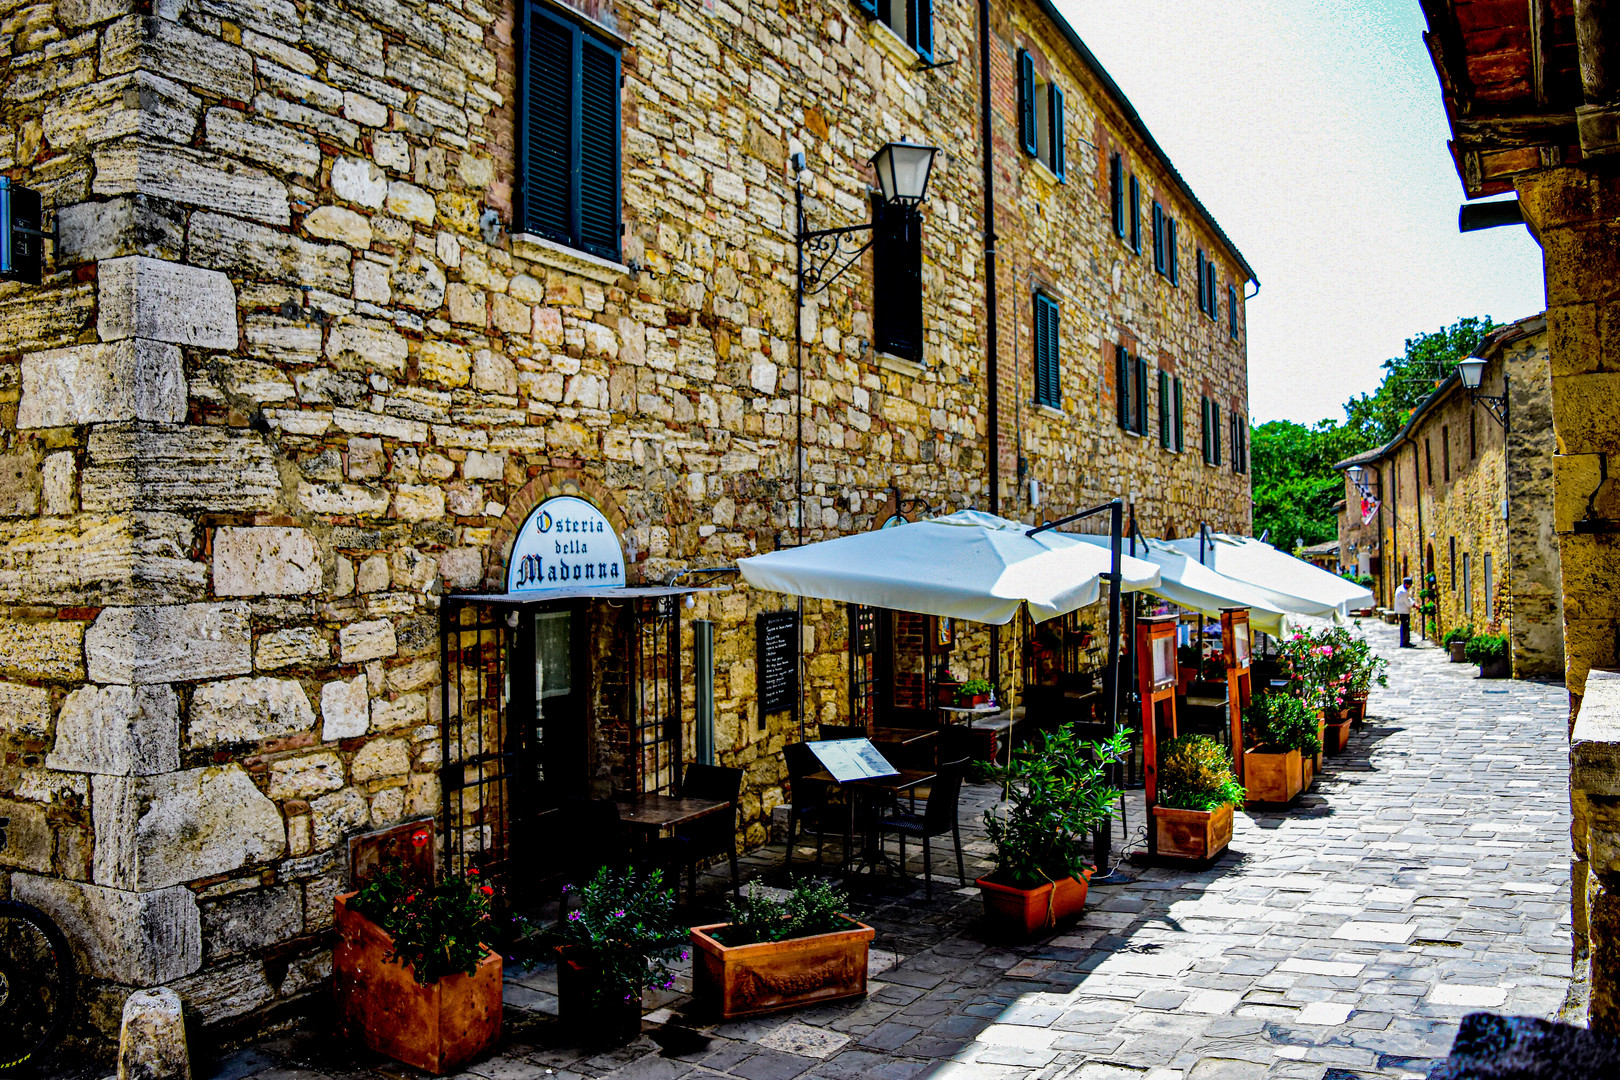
(851, 759)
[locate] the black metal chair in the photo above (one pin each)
(712, 834)
(813, 802)
(840, 731)
(591, 837)
(956, 742)
(939, 817)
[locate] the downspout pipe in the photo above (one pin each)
(991, 340)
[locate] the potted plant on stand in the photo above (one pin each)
(780, 954)
(608, 950)
(1490, 652)
(1278, 729)
(413, 974)
(973, 693)
(1456, 643)
(1197, 791)
(1058, 794)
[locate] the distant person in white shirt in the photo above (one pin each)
(1403, 609)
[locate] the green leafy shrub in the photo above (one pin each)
(1195, 773)
(1059, 793)
(1486, 649)
(815, 907)
(1457, 633)
(1278, 723)
(623, 934)
(438, 930)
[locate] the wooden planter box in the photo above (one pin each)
(1307, 771)
(1338, 736)
(1193, 834)
(437, 1028)
(1027, 912)
(1271, 778)
(768, 976)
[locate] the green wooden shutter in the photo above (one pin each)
(1214, 291)
(1141, 396)
(1203, 408)
(1122, 385)
(1203, 300)
(1116, 193)
(920, 23)
(1026, 103)
(547, 127)
(1048, 390)
(1231, 310)
(1180, 420)
(1054, 101)
(868, 6)
(1158, 237)
(1214, 433)
(1136, 214)
(599, 149)
(1170, 253)
(1164, 409)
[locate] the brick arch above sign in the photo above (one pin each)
(551, 485)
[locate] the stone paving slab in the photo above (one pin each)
(1342, 938)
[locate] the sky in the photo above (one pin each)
(1315, 134)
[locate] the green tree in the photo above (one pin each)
(1294, 483)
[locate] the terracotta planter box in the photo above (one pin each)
(437, 1028)
(1321, 744)
(1338, 737)
(1307, 771)
(1192, 834)
(973, 701)
(1459, 652)
(611, 1023)
(1027, 912)
(1271, 778)
(768, 976)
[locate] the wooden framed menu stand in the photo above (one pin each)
(1156, 685)
(1238, 645)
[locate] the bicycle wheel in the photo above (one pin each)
(37, 983)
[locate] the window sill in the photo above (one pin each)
(898, 364)
(1044, 171)
(884, 37)
(1049, 411)
(568, 260)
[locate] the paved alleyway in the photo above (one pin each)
(1424, 877)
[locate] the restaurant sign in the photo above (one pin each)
(566, 543)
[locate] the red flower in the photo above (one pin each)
(486, 890)
(411, 898)
(472, 870)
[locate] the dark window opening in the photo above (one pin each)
(1136, 215)
(897, 295)
(1116, 193)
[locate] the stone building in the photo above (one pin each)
(1469, 501)
(336, 327)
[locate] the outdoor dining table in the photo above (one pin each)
(870, 790)
(651, 814)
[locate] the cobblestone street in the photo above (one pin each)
(1425, 876)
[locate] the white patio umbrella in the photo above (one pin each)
(1288, 583)
(967, 565)
(1184, 582)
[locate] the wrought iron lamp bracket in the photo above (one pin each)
(1496, 406)
(824, 247)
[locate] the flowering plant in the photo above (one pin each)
(624, 932)
(1327, 667)
(438, 930)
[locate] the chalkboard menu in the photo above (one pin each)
(777, 637)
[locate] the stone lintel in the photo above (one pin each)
(132, 938)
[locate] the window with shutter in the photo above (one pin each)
(1122, 385)
(1158, 237)
(1136, 215)
(920, 23)
(1203, 290)
(1141, 396)
(897, 310)
(868, 6)
(568, 135)
(1211, 289)
(1180, 437)
(1116, 193)
(1170, 255)
(1165, 434)
(1048, 386)
(1203, 409)
(1231, 310)
(1027, 135)
(1214, 433)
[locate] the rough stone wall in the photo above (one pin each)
(1534, 571)
(278, 393)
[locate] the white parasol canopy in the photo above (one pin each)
(966, 565)
(1286, 582)
(1198, 588)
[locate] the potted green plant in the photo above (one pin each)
(1456, 643)
(974, 692)
(1196, 793)
(1278, 729)
(1490, 652)
(610, 948)
(1058, 794)
(771, 955)
(414, 976)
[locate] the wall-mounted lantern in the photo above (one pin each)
(1472, 371)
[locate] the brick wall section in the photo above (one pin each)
(278, 394)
